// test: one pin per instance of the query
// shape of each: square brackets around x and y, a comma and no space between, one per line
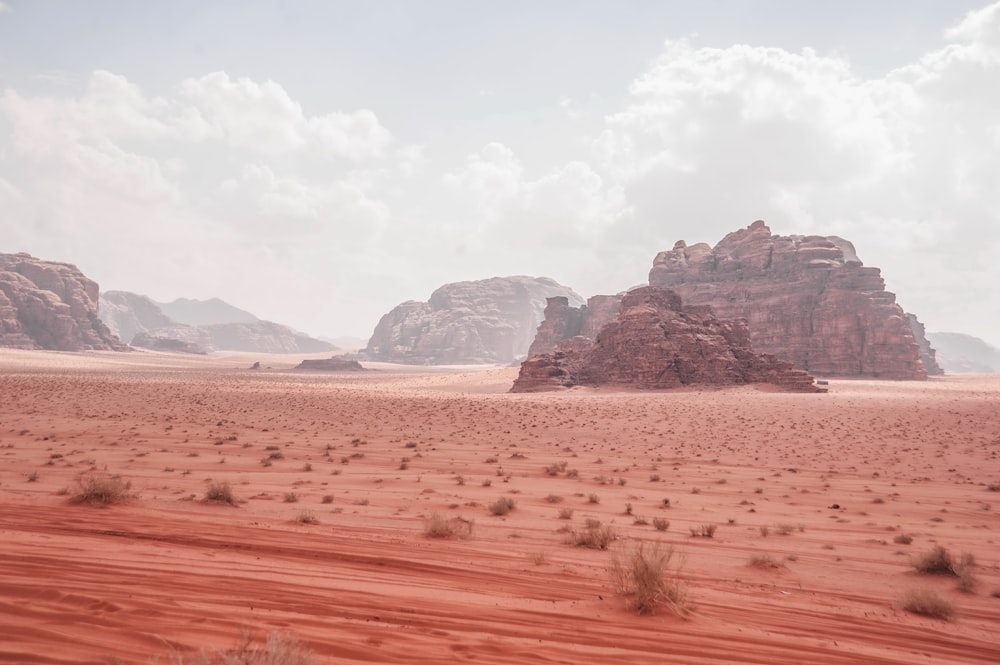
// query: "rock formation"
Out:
[928,356]
[487,321]
[333,364]
[807,299]
[142,323]
[657,342]
[193,312]
[563,321]
[46,305]
[959,353]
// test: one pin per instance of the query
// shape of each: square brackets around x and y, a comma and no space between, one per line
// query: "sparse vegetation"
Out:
[646,576]
[220,492]
[102,490]
[439,526]
[661,524]
[596,538]
[704,530]
[565,513]
[902,539]
[502,506]
[763,560]
[928,602]
[307,517]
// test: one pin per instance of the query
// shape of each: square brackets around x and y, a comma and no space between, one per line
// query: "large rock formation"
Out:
[46,305]
[807,299]
[928,356]
[487,321]
[194,312]
[142,323]
[563,321]
[962,354]
[657,342]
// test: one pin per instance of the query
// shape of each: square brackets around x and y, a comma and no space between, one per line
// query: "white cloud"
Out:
[5,8]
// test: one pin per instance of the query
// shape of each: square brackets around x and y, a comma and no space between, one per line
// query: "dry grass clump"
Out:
[502,506]
[279,649]
[307,517]
[928,602]
[439,526]
[938,561]
[902,539]
[220,492]
[645,574]
[595,537]
[661,524]
[763,560]
[704,530]
[102,490]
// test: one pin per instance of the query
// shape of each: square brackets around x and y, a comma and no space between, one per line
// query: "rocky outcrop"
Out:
[959,353]
[128,314]
[806,299]
[487,321]
[928,356]
[333,364]
[47,305]
[657,342]
[563,321]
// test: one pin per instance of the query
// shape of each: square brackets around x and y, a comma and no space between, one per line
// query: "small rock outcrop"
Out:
[333,364]
[806,299]
[487,321]
[657,342]
[48,305]
[563,321]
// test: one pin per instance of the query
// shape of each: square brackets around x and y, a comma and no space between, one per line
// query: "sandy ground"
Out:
[370,456]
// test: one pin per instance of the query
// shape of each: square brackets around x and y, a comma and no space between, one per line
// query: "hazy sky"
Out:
[319,162]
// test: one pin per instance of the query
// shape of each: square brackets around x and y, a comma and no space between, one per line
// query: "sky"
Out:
[319,162]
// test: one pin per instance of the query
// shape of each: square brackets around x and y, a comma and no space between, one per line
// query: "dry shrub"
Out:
[928,602]
[307,517]
[763,561]
[279,649]
[595,538]
[220,492]
[704,530]
[439,526]
[661,524]
[902,539]
[938,561]
[102,490]
[502,506]
[644,573]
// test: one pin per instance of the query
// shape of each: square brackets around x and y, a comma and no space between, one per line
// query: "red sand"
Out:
[80,584]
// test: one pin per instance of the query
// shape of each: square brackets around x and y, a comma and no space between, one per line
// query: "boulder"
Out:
[48,305]
[487,321]
[657,342]
[808,300]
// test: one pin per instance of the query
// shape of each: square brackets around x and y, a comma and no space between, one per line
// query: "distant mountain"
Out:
[205,312]
[346,342]
[958,353]
[141,322]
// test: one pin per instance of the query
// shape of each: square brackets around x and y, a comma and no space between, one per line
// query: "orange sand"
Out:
[125,584]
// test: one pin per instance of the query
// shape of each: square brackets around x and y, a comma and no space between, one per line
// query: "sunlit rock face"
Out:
[486,321]
[655,342]
[48,305]
[806,299]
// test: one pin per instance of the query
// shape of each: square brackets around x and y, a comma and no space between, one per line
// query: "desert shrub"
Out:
[593,498]
[661,524]
[592,523]
[102,490]
[596,538]
[935,561]
[553,498]
[704,530]
[784,529]
[928,603]
[291,497]
[220,492]
[439,526]
[327,498]
[279,649]
[763,560]
[502,506]
[565,513]
[902,539]
[307,517]
[644,574]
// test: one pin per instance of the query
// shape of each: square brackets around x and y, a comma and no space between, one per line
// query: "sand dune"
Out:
[367,457]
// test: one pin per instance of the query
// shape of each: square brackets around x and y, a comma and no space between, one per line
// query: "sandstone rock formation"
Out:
[47,305]
[657,342]
[142,323]
[333,364]
[807,299]
[563,321]
[928,356]
[487,321]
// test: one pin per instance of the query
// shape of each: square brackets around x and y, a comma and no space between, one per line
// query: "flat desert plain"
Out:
[819,505]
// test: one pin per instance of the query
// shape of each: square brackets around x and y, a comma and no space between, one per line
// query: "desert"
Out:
[794,519]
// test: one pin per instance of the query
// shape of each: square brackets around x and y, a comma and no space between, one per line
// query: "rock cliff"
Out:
[806,299]
[47,305]
[487,321]
[928,356]
[657,342]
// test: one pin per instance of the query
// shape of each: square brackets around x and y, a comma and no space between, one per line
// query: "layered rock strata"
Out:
[48,305]
[806,299]
[487,321]
[657,342]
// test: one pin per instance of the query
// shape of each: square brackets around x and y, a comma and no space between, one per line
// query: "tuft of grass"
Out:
[565,513]
[595,538]
[928,602]
[935,561]
[593,498]
[102,490]
[220,492]
[439,526]
[704,530]
[307,517]
[902,539]
[553,498]
[648,577]
[661,524]
[291,497]
[502,506]
[763,560]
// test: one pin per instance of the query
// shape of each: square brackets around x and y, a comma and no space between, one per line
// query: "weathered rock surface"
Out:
[928,356]
[959,353]
[563,321]
[47,305]
[128,314]
[807,299]
[657,342]
[487,321]
[333,364]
